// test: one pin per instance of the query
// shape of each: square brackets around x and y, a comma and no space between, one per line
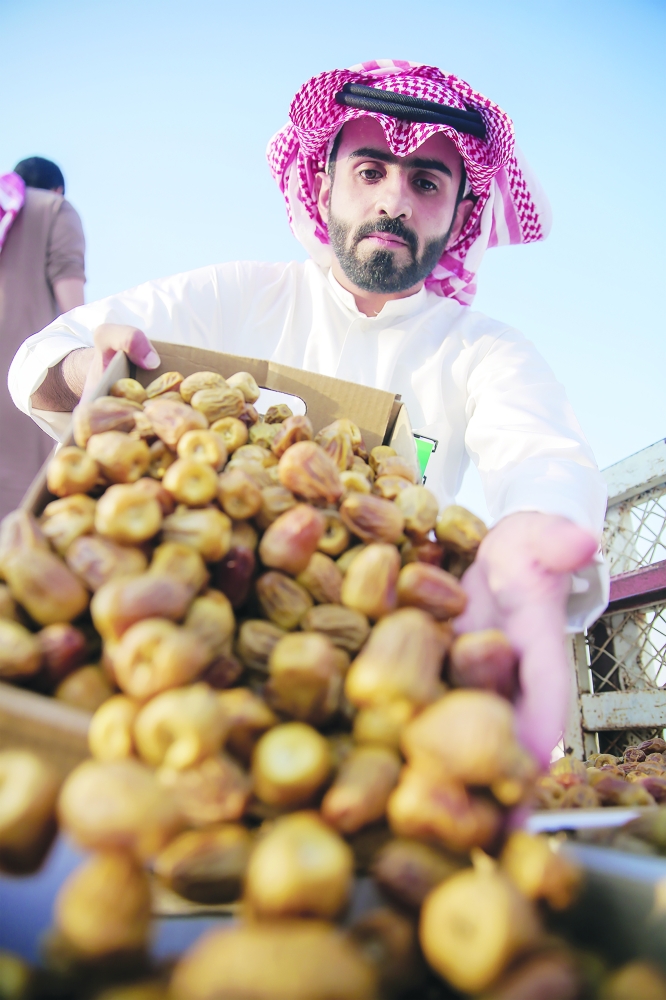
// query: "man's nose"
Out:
[394,198]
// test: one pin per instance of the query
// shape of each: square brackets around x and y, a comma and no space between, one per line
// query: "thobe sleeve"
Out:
[66,246]
[183,309]
[531,452]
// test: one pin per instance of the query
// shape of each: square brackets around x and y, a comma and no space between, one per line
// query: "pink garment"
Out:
[511,206]
[12,196]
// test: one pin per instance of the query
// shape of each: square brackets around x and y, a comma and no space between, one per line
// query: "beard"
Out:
[378,271]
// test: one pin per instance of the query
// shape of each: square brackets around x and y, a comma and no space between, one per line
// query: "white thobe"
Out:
[475,386]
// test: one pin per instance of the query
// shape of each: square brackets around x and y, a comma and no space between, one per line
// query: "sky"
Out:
[159,111]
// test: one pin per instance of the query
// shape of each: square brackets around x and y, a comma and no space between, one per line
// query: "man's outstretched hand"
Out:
[111,338]
[519,583]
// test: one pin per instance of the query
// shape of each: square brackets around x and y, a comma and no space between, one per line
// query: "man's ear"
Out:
[323,193]
[463,212]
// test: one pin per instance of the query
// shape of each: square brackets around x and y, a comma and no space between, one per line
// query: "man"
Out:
[41,275]
[396,177]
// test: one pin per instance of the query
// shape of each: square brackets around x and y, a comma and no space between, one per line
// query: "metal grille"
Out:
[616,741]
[635,531]
[627,650]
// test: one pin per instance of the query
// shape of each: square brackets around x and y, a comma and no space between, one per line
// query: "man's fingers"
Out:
[481,611]
[112,337]
[544,678]
[565,547]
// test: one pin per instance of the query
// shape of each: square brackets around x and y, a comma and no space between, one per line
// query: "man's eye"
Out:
[425,184]
[370,174]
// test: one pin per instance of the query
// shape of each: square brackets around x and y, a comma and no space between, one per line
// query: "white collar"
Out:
[394,308]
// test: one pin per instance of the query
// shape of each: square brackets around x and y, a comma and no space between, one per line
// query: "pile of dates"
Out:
[259,618]
[637,778]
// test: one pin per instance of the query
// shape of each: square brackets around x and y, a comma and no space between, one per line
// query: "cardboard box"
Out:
[31,719]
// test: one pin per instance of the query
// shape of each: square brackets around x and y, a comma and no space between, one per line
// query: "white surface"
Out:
[552,820]
[637,473]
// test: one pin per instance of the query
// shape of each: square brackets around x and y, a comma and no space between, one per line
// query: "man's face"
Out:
[389,218]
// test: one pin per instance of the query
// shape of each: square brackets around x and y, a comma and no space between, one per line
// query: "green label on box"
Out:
[424,449]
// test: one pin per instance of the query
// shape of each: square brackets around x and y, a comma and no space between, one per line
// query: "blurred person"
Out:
[397,178]
[41,276]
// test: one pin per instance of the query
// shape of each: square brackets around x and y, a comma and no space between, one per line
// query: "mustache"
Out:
[393,227]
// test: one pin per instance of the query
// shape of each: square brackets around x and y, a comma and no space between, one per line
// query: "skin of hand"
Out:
[76,376]
[520,582]
[68,293]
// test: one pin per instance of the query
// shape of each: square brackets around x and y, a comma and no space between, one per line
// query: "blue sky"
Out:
[159,114]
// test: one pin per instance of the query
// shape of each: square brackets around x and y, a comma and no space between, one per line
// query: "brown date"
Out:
[256,639]
[346,628]
[216,790]
[290,431]
[277,414]
[207,530]
[402,659]
[201,380]
[238,493]
[127,515]
[171,418]
[71,470]
[206,866]
[282,599]
[216,403]
[322,579]
[247,385]
[86,688]
[181,562]
[248,717]
[154,655]
[419,508]
[484,659]
[304,680]
[129,388]
[369,585]
[233,574]
[233,432]
[191,482]
[460,530]
[20,652]
[372,518]
[307,471]
[106,413]
[166,382]
[64,520]
[97,560]
[290,541]
[122,601]
[421,585]
[42,583]
[203,446]
[121,458]
[63,648]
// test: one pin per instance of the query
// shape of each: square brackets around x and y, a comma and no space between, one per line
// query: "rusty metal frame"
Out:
[618,670]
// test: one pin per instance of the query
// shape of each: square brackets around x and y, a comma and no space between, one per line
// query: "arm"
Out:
[548,498]
[68,293]
[67,381]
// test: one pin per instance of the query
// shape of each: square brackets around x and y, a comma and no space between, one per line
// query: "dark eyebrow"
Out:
[370,153]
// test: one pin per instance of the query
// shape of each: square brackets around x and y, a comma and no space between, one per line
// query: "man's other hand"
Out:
[519,583]
[77,375]
[111,338]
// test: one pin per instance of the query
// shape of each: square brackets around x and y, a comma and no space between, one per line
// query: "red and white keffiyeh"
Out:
[12,196]
[511,206]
